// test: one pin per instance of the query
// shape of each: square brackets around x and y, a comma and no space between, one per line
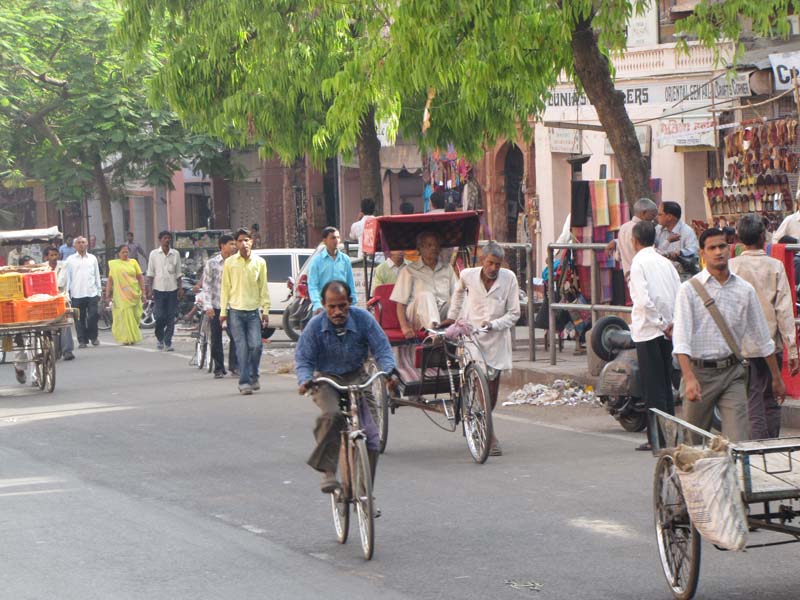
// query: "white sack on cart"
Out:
[714,500]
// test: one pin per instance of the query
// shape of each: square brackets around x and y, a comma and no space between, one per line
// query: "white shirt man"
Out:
[357,228]
[789,226]
[82,283]
[653,285]
[488,297]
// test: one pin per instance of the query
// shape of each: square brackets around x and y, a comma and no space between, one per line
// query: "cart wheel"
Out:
[381,396]
[39,357]
[49,367]
[678,540]
[476,413]
[633,421]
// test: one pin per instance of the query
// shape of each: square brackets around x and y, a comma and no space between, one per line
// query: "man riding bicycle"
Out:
[336,344]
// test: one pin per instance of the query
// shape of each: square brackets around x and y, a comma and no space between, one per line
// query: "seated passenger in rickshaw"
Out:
[424,288]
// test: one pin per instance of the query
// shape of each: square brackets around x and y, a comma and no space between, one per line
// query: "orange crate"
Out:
[11,287]
[41,282]
[7,312]
[27,311]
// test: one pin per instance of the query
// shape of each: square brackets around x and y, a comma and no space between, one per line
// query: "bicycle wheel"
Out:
[381,397]
[209,360]
[476,413]
[48,382]
[104,320]
[678,540]
[362,497]
[202,343]
[340,504]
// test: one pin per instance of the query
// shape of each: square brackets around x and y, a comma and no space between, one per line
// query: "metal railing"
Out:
[594,306]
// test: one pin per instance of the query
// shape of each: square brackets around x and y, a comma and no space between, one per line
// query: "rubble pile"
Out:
[560,393]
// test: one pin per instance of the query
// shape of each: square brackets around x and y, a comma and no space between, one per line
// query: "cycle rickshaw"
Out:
[447,376]
[29,331]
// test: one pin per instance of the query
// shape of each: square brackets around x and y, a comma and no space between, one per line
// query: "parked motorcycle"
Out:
[298,312]
[618,386]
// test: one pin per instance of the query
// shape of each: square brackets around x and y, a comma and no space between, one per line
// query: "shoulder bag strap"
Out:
[713,309]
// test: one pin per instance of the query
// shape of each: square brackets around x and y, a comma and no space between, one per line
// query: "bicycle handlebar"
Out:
[345,388]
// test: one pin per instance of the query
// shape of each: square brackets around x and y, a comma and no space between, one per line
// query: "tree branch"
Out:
[43,77]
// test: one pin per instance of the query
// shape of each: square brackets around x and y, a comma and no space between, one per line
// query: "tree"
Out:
[490,65]
[75,119]
[288,76]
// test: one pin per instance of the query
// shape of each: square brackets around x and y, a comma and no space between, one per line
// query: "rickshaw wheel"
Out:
[381,397]
[476,413]
[678,540]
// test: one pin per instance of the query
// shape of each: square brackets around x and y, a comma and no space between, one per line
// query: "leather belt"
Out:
[723,363]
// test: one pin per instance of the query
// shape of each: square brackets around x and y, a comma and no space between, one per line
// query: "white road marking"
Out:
[12,416]
[35,492]
[26,481]
[254,529]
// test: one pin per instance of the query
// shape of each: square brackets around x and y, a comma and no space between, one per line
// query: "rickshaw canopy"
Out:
[29,236]
[399,232]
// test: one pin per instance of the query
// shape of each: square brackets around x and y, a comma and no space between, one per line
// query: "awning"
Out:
[401,157]
[29,236]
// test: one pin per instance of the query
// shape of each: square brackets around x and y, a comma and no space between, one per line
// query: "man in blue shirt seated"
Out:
[327,266]
[336,345]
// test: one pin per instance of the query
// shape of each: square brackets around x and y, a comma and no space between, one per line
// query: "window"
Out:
[301,260]
[279,267]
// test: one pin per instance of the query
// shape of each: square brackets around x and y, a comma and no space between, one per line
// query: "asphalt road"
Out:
[141,477]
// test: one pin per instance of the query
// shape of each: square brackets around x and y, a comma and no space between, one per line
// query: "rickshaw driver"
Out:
[336,344]
[424,288]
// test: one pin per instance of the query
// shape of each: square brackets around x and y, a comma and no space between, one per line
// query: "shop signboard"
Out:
[782,67]
[643,28]
[685,131]
[642,134]
[565,141]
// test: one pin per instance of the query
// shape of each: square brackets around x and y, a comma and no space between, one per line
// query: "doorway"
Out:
[514,172]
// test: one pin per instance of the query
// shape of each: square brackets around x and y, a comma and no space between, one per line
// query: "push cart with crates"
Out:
[32,312]
[766,498]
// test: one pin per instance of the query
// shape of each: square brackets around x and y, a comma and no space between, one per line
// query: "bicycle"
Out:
[202,350]
[354,467]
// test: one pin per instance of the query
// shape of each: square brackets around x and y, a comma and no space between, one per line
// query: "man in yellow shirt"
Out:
[244,302]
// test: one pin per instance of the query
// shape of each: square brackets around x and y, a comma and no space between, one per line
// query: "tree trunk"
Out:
[105,208]
[594,72]
[369,161]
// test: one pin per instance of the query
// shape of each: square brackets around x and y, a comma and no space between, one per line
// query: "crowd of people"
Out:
[727,325]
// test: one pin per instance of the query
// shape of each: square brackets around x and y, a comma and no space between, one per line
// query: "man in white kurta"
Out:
[488,297]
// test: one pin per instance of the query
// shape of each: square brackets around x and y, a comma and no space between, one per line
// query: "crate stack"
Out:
[30,297]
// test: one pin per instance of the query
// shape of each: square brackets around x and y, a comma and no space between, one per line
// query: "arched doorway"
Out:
[514,173]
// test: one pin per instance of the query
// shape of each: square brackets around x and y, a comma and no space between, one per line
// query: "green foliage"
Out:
[67,102]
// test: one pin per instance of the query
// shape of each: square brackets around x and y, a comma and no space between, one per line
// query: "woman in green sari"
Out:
[126,287]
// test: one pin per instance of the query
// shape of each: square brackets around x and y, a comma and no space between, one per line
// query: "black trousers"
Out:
[86,325]
[165,306]
[217,350]
[655,378]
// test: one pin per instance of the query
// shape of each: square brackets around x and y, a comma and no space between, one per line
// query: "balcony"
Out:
[665,59]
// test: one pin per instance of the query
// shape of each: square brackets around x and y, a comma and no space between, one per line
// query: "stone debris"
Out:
[559,393]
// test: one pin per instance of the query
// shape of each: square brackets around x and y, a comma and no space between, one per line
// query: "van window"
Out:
[279,267]
[301,260]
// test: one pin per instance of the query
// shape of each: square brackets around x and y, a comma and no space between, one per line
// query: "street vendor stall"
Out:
[32,312]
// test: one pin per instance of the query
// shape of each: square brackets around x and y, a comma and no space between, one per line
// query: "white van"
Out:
[282,263]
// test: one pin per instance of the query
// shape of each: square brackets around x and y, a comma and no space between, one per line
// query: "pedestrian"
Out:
[125,287]
[492,302]
[357,228]
[676,240]
[715,311]
[164,281]
[644,210]
[768,276]
[211,284]
[336,345]
[653,284]
[255,232]
[15,256]
[66,345]
[389,270]
[328,265]
[244,303]
[135,250]
[67,249]
[787,239]
[438,201]
[789,226]
[407,208]
[83,286]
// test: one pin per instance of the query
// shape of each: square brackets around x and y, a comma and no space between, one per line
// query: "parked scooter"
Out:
[618,386]
[298,312]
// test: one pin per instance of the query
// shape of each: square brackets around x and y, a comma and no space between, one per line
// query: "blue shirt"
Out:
[66,251]
[325,268]
[321,349]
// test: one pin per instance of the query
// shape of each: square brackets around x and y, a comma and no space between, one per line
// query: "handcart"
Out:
[447,378]
[31,340]
[769,480]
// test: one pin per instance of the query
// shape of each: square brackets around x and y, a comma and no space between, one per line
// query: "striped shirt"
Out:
[696,334]
[212,281]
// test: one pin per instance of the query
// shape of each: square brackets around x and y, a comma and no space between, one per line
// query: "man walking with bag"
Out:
[716,310]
